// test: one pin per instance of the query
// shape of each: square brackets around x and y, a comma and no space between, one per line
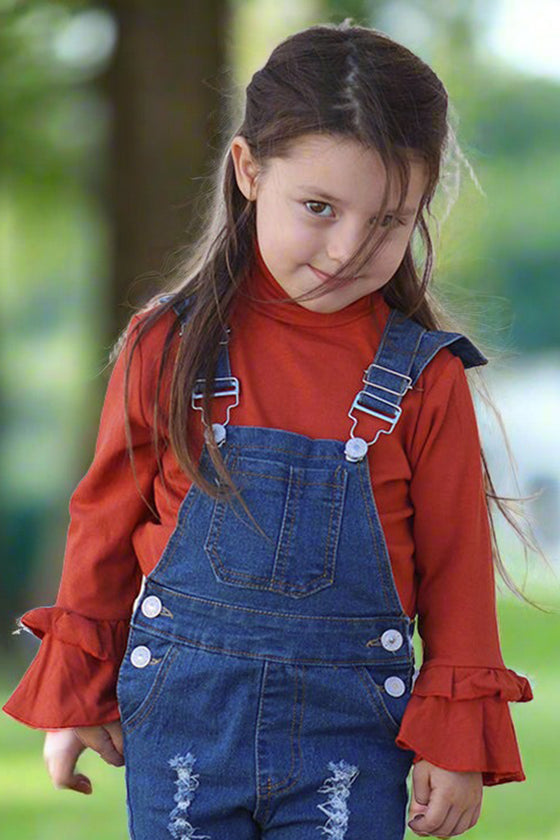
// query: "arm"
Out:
[457,720]
[72,680]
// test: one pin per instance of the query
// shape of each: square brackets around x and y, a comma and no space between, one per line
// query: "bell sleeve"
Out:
[72,679]
[458,716]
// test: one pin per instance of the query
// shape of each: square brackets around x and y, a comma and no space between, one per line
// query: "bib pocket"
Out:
[291,546]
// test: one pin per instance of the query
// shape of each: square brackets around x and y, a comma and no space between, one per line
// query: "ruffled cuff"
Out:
[72,679]
[458,718]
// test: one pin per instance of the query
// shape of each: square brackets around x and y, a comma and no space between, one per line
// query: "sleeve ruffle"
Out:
[458,718]
[102,639]
[79,659]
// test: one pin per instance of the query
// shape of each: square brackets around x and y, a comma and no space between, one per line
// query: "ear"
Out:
[246,169]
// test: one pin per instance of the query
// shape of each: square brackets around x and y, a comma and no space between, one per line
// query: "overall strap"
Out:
[225,385]
[404,351]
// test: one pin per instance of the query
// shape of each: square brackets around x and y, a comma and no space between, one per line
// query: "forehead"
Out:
[342,167]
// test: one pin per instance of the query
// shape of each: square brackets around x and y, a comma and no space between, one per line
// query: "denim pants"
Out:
[270,661]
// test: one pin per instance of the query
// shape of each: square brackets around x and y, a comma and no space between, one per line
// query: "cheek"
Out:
[275,227]
[392,253]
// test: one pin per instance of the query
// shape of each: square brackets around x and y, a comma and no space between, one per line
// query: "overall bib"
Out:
[270,661]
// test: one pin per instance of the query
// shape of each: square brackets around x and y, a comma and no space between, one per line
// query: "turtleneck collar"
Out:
[263,293]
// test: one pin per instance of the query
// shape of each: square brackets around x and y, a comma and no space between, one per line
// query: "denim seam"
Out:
[281,785]
[273,657]
[179,531]
[390,723]
[388,617]
[334,485]
[278,785]
[153,694]
[374,535]
[386,572]
[283,545]
[257,736]
[249,447]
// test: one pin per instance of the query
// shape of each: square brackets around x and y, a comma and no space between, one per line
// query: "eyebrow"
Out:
[406,211]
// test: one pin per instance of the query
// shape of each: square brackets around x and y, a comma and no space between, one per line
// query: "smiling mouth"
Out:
[322,276]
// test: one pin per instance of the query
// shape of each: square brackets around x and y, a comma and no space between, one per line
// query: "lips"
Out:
[322,276]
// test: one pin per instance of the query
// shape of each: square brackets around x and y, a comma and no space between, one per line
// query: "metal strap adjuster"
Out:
[391,420]
[407,383]
[225,386]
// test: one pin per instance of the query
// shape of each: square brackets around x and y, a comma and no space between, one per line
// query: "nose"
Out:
[344,241]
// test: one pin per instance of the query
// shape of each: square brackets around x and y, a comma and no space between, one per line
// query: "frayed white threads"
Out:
[187,782]
[336,807]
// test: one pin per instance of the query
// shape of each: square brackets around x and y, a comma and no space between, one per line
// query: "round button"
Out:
[219,433]
[140,656]
[391,639]
[394,686]
[151,606]
[355,449]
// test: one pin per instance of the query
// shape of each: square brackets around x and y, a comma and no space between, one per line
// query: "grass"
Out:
[32,810]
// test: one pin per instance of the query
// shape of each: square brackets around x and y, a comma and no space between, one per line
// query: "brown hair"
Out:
[341,80]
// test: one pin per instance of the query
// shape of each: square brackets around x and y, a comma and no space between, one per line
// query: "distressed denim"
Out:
[270,661]
[267,672]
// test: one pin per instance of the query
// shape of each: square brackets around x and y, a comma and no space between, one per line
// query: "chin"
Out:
[324,306]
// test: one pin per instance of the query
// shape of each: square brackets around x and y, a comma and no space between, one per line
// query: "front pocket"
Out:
[291,545]
[390,710]
[138,688]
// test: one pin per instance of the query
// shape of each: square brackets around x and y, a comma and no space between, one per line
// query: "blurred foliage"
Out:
[499,254]
[498,250]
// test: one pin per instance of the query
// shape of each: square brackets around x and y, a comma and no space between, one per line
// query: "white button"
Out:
[355,449]
[140,656]
[391,640]
[151,606]
[219,433]
[394,686]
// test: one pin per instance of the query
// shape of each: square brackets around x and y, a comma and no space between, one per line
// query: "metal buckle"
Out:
[382,387]
[229,388]
[391,420]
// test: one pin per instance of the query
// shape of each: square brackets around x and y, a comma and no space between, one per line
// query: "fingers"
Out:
[420,790]
[60,753]
[421,783]
[454,800]
[115,731]
[99,738]
[443,820]
[465,822]
[438,814]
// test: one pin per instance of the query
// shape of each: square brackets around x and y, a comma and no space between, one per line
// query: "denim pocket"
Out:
[388,708]
[291,545]
[140,685]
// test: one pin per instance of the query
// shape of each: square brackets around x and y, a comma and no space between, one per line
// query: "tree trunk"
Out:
[163,90]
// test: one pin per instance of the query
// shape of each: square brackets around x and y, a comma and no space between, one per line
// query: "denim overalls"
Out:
[270,661]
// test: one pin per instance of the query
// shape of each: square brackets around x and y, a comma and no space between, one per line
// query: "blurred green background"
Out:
[112,119]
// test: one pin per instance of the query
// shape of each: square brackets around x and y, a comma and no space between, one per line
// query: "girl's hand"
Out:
[444,803]
[63,747]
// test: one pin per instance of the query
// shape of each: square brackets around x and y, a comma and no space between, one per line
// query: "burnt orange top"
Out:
[427,483]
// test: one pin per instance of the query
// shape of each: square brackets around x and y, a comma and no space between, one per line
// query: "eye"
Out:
[391,220]
[316,208]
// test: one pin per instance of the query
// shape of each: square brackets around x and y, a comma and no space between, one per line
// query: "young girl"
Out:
[305,478]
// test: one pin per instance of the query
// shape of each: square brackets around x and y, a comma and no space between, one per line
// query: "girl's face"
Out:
[313,210]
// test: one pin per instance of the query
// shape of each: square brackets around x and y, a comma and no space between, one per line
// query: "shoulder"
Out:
[151,328]
[433,353]
[443,372]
